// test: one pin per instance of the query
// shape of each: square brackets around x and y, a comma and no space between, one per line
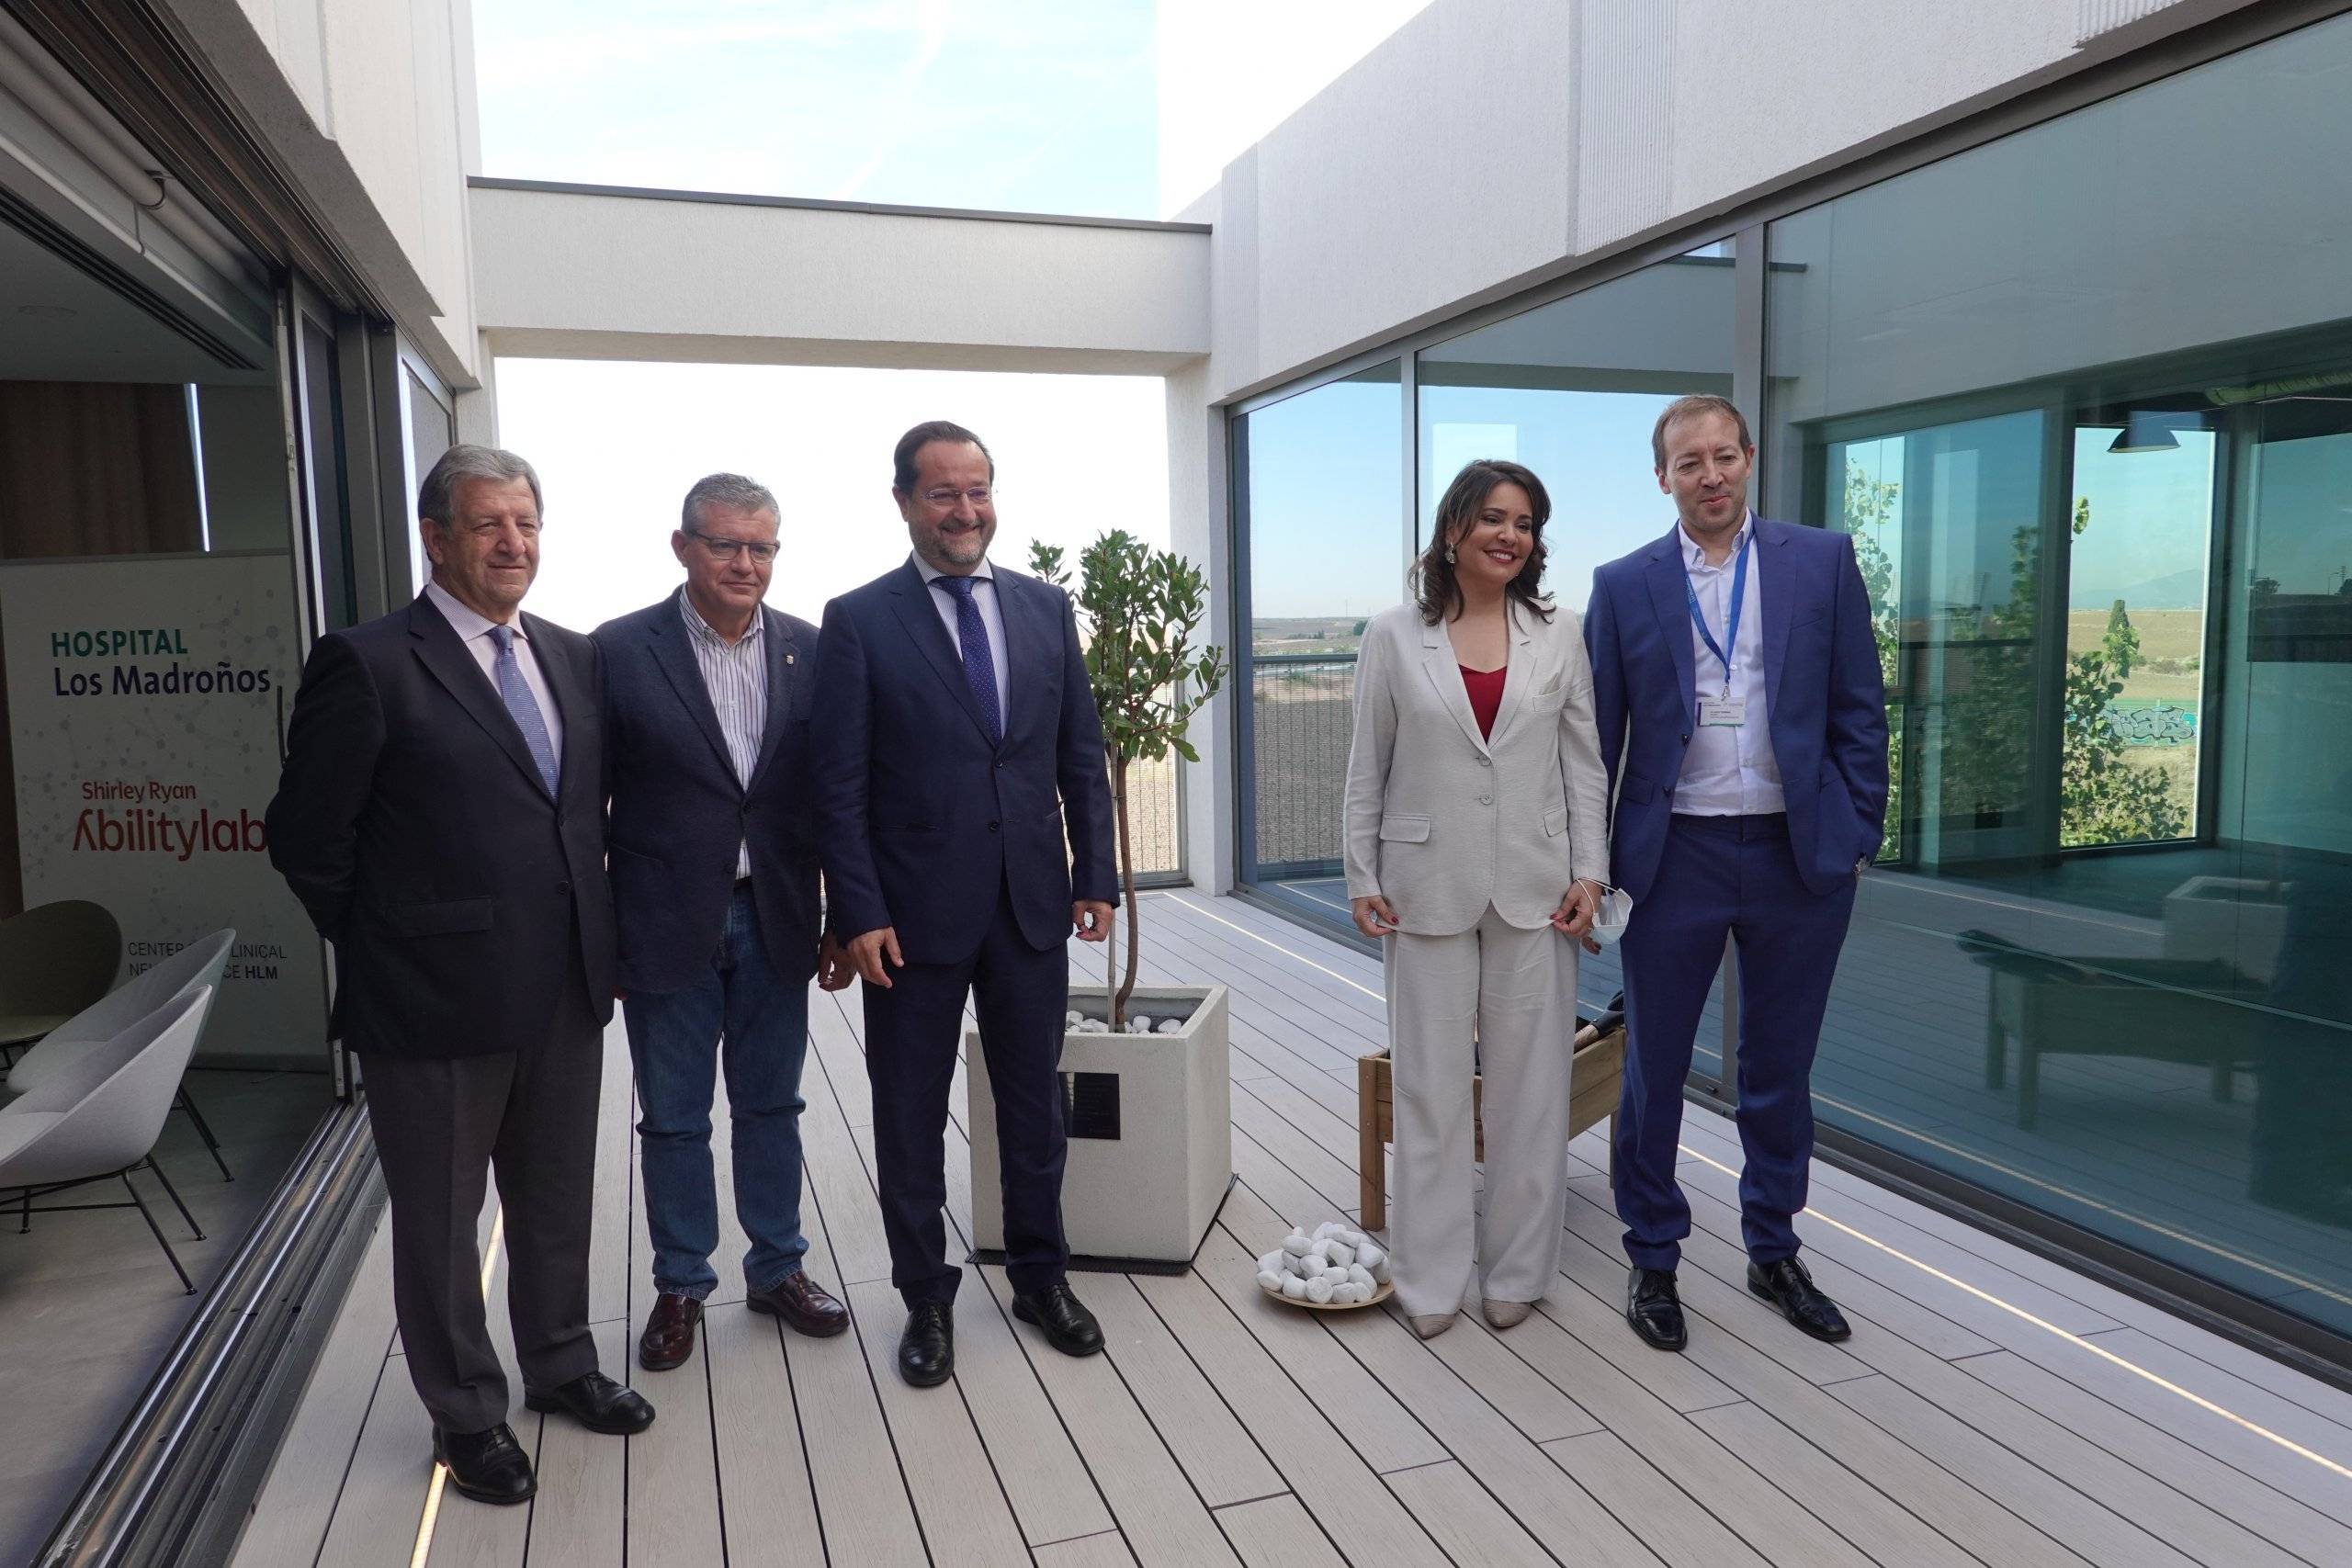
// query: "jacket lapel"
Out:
[1445,671]
[667,638]
[444,655]
[1030,644]
[1777,604]
[1670,596]
[568,687]
[910,600]
[783,668]
[1520,673]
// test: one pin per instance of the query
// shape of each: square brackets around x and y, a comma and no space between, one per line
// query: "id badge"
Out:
[1728,712]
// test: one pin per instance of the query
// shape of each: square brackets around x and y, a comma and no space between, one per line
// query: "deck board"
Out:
[1221,1427]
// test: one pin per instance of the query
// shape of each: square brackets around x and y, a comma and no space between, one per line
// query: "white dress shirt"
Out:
[735,674]
[992,616]
[473,630]
[1729,771]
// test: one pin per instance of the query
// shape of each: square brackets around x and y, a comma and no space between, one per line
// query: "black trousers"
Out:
[911,1034]
[442,1126]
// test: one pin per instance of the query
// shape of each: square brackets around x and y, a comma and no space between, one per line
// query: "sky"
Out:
[616,445]
[1095,108]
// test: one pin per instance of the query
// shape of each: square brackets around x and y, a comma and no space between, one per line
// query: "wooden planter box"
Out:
[1594,1074]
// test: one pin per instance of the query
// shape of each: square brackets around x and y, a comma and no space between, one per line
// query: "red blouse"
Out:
[1485,691]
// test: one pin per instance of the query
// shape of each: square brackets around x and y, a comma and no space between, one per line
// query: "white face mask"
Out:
[1616,910]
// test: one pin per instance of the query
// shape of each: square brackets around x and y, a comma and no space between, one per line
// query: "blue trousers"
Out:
[742,1009]
[1020,995]
[1724,877]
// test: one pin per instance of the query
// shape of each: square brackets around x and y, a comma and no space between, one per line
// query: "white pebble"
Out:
[1294,1288]
[1073,1017]
[1340,1253]
[1271,1263]
[1269,1281]
[1360,1275]
[1305,1268]
[1372,1255]
[1319,1291]
[1327,1229]
[1296,1244]
[1169,1026]
[1355,1238]
[1356,1294]
[1140,1022]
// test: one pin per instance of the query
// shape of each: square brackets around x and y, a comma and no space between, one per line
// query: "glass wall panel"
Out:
[1572,390]
[1319,482]
[2088,415]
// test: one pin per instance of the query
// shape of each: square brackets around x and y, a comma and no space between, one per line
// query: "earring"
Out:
[1449,555]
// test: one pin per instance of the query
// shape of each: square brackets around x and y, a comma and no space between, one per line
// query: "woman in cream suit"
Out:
[1478,852]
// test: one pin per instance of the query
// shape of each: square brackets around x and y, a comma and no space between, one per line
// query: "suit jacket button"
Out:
[991,827]
[1485,800]
[1686,738]
[1486,762]
[563,887]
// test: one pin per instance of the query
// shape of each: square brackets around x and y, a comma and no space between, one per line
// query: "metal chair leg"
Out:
[24,1226]
[188,1285]
[194,1229]
[205,1132]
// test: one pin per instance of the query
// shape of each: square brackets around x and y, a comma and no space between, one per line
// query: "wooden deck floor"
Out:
[1991,1409]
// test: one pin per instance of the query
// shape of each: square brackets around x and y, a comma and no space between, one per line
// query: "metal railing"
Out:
[1302,721]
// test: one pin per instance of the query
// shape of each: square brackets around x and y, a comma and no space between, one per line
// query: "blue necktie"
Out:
[979,665]
[522,706]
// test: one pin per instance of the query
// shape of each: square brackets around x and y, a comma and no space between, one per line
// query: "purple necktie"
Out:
[979,665]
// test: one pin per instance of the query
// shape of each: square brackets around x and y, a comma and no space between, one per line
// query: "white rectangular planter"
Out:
[1149,1193]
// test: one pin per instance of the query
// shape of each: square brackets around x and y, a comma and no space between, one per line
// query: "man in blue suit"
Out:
[713,857]
[965,821]
[1743,720]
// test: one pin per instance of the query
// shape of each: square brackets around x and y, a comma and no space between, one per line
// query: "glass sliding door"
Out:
[2090,424]
[1319,495]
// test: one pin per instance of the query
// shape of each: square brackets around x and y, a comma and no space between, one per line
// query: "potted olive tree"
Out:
[1147,1070]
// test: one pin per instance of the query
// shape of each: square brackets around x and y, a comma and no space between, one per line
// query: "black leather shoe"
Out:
[1786,1284]
[597,1402]
[927,1349]
[1069,1326]
[1654,1310]
[489,1467]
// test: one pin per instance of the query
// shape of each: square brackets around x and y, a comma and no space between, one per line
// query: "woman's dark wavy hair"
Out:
[1432,579]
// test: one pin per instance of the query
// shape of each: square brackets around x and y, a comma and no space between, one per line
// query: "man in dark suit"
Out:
[965,816]
[1743,721]
[441,816]
[713,868]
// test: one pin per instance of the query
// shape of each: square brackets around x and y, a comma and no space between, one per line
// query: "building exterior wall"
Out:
[1489,145]
[367,106]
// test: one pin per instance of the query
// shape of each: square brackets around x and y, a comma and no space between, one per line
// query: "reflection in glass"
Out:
[2092,434]
[1572,390]
[1321,480]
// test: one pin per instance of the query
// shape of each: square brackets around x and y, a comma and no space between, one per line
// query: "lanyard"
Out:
[1731,625]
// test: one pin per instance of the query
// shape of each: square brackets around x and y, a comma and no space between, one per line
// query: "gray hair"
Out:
[435,497]
[727,490]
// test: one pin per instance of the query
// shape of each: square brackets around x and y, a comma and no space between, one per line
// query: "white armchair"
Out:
[96,1119]
[192,968]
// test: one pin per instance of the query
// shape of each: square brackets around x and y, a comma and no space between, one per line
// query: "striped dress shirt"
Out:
[735,676]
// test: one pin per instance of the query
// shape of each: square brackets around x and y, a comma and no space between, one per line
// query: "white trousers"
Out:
[1501,1001]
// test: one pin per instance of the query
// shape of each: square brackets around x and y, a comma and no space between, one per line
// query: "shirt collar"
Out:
[985,571]
[1695,559]
[466,621]
[702,628]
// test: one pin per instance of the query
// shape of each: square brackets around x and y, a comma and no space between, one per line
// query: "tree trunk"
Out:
[1127,890]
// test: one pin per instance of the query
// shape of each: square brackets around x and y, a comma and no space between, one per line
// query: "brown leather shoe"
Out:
[802,1302]
[669,1336]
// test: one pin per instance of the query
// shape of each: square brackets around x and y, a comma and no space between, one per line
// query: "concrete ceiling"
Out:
[60,323]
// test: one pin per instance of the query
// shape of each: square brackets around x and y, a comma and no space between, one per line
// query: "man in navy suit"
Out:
[1743,719]
[713,856]
[966,822]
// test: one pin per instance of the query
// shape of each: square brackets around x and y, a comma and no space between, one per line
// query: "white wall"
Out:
[1489,145]
[366,104]
[566,275]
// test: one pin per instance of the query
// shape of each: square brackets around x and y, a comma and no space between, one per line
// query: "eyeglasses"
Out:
[979,495]
[726,549]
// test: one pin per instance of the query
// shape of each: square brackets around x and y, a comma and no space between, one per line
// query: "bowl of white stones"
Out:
[1335,1268]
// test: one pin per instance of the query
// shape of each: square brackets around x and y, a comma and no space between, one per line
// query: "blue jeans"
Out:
[676,1039]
